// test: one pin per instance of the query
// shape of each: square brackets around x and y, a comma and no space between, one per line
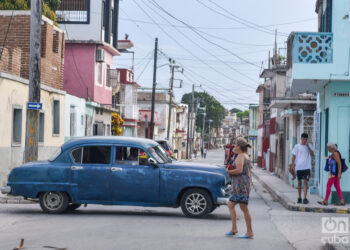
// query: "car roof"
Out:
[133,141]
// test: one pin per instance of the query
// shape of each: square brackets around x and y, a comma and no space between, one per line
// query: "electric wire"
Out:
[221,73]
[200,35]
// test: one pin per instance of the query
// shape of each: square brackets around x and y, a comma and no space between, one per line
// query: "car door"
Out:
[132,178]
[91,171]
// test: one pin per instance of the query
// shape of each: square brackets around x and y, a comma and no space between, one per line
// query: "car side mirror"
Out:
[176,151]
[152,162]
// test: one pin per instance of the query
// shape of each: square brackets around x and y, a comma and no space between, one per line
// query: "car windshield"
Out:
[159,154]
[165,145]
[55,155]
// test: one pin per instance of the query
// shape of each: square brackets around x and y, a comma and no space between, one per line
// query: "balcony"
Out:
[310,58]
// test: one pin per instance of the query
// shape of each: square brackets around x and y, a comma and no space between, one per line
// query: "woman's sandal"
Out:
[324,203]
[340,204]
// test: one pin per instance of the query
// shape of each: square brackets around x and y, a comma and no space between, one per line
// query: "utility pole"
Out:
[203,128]
[172,62]
[191,128]
[209,139]
[146,126]
[188,129]
[195,118]
[154,86]
[33,116]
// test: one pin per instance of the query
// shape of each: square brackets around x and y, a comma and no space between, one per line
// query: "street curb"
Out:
[299,208]
[15,200]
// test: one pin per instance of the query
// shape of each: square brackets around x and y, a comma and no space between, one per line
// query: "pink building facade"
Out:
[86,75]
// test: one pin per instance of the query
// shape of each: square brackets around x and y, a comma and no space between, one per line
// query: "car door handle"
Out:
[77,168]
[114,169]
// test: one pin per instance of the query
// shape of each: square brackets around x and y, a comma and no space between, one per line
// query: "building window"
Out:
[73,121]
[55,41]
[327,17]
[326,132]
[73,11]
[103,14]
[56,117]
[108,130]
[99,73]
[17,126]
[108,82]
[82,120]
[41,127]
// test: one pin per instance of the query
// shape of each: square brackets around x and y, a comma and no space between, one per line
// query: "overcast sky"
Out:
[221,44]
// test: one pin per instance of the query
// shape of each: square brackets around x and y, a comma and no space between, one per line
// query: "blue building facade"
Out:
[319,62]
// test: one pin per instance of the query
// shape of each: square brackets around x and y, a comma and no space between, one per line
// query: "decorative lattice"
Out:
[313,48]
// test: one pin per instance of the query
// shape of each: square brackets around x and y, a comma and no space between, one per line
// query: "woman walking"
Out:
[241,182]
[335,170]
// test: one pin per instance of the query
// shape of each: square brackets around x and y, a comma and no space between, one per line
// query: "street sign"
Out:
[34,105]
[252,138]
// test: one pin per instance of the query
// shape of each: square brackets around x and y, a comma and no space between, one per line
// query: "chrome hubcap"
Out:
[53,200]
[196,203]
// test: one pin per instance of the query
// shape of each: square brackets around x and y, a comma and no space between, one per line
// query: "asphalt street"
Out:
[118,227]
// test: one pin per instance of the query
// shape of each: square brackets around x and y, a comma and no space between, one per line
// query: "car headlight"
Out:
[226,190]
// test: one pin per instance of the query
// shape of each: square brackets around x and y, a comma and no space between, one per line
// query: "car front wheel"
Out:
[54,202]
[196,203]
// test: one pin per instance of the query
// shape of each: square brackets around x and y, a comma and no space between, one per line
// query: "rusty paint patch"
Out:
[31,141]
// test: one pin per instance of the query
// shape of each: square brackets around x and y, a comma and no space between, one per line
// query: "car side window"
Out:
[96,155]
[77,155]
[130,155]
[92,155]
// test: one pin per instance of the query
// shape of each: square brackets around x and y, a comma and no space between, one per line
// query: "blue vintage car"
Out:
[119,171]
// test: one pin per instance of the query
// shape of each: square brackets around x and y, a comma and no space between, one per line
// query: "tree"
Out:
[48,6]
[235,110]
[215,111]
[242,114]
[117,123]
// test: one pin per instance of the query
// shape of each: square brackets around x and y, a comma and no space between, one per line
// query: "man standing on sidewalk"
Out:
[301,164]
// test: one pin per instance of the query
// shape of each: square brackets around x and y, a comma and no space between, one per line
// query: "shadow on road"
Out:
[102,212]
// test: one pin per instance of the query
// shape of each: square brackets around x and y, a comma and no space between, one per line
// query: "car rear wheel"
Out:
[196,203]
[73,206]
[53,202]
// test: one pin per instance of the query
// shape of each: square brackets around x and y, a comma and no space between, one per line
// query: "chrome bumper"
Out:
[6,190]
[222,201]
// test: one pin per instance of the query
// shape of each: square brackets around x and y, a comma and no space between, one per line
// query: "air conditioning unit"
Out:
[100,55]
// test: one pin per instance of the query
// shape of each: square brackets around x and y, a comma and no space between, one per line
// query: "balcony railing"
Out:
[312,48]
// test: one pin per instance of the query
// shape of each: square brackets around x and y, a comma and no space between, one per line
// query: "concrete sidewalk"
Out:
[288,195]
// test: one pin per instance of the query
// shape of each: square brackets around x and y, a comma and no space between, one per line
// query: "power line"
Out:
[222,88]
[138,26]
[150,59]
[244,20]
[239,20]
[200,35]
[165,32]
[207,51]
[198,46]
[189,76]
[220,28]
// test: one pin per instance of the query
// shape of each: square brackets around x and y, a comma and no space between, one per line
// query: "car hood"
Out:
[196,166]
